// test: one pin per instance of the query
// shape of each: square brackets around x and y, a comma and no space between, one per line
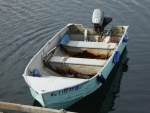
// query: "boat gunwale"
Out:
[26,68]
[99,72]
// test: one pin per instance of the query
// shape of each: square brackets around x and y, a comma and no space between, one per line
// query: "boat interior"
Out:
[74,55]
[82,53]
[75,59]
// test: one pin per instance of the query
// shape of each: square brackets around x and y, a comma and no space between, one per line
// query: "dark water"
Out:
[26,25]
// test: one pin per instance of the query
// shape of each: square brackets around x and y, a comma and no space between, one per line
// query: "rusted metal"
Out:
[81,66]
[71,71]
[90,53]
[75,72]
[98,53]
[110,41]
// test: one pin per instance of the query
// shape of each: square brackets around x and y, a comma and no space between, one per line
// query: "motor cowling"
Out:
[98,17]
[99,20]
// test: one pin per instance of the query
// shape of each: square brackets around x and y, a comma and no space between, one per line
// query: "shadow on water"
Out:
[102,100]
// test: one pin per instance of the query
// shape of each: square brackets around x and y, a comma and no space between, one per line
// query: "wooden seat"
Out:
[93,45]
[101,50]
[71,65]
[78,61]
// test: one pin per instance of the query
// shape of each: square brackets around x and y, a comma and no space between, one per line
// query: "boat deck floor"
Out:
[52,83]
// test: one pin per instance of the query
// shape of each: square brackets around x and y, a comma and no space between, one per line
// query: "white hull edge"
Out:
[63,98]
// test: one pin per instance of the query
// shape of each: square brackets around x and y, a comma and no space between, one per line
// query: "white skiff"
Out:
[75,62]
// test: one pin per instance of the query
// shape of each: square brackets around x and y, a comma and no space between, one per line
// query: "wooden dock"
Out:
[29,109]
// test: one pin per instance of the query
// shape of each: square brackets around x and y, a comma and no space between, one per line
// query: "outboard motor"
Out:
[99,20]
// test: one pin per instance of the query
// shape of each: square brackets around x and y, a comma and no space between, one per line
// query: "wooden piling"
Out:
[29,109]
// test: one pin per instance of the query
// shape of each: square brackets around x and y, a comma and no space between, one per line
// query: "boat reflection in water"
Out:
[102,100]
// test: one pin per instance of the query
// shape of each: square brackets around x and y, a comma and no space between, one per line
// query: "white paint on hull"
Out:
[64,96]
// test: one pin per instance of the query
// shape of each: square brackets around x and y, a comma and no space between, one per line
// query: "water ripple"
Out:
[26,25]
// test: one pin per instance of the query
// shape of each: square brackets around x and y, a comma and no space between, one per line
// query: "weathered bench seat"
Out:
[71,65]
[97,49]
[93,45]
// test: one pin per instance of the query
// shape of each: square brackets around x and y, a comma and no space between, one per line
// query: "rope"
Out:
[108,51]
[64,60]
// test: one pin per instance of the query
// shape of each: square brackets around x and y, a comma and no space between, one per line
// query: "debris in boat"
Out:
[36,73]
[78,76]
